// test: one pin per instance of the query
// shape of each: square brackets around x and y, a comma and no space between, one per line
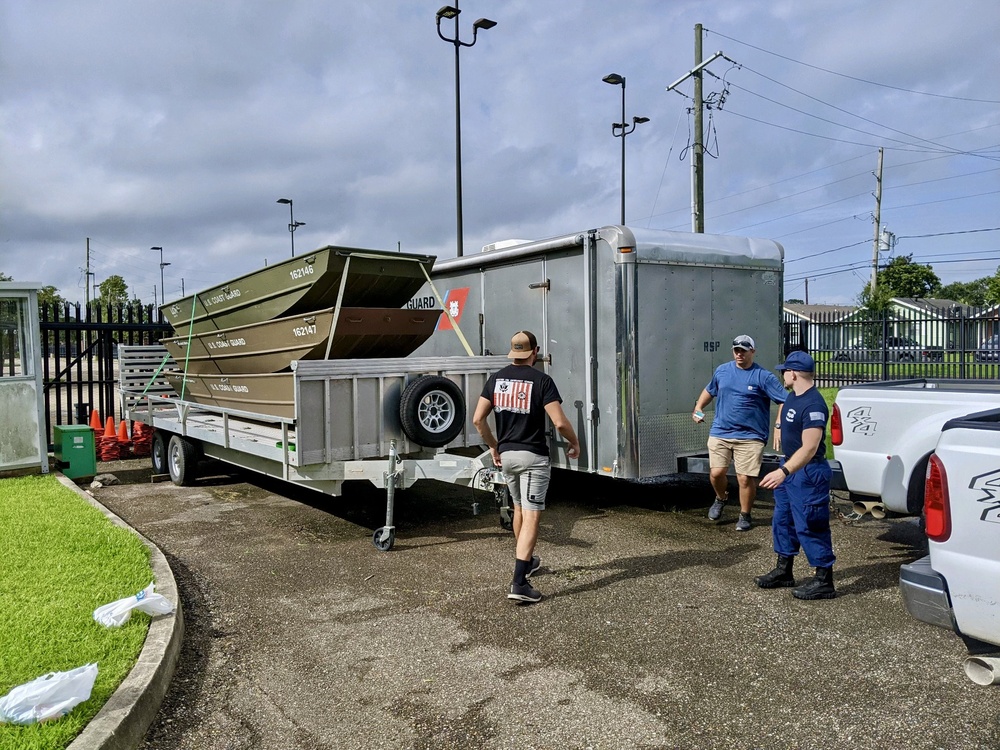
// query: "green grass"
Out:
[61,558]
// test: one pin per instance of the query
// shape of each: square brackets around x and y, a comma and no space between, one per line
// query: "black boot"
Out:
[820,587]
[779,578]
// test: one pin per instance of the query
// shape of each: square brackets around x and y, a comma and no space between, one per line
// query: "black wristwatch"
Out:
[784,471]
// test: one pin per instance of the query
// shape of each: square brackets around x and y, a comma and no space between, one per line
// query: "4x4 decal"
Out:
[989,485]
[861,420]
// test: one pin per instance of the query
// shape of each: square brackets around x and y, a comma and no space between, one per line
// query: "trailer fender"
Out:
[432,411]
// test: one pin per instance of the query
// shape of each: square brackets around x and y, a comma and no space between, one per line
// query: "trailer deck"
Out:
[347,426]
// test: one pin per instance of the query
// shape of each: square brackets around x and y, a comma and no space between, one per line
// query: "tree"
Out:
[993,288]
[5,277]
[794,302]
[904,278]
[967,292]
[49,295]
[114,290]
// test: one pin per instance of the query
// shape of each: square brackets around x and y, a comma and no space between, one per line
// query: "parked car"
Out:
[989,350]
[897,349]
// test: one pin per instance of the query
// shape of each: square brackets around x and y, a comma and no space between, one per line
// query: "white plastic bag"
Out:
[48,697]
[117,613]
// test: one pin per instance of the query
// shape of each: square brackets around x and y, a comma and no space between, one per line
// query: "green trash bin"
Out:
[75,454]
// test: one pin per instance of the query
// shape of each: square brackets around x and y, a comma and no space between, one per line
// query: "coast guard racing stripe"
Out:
[512,395]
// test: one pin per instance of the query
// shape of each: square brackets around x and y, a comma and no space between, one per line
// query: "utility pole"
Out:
[878,214]
[698,150]
[807,291]
[87,274]
[698,147]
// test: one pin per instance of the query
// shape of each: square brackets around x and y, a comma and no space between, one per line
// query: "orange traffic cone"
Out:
[122,432]
[95,420]
[137,431]
[109,428]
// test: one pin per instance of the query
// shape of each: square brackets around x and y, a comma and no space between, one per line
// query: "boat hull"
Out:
[301,285]
[272,394]
[271,346]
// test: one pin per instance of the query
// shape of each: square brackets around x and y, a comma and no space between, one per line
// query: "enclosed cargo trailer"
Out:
[631,324]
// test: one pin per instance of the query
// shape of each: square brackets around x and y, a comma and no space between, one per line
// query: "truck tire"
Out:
[158,452]
[432,411]
[182,460]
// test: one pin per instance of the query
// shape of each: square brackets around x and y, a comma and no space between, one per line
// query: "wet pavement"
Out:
[300,634]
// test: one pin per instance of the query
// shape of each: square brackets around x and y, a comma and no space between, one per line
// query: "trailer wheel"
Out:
[432,411]
[182,460]
[158,452]
[384,538]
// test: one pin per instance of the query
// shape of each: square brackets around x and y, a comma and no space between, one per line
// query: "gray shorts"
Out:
[527,475]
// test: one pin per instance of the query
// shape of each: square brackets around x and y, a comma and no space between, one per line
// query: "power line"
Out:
[854,78]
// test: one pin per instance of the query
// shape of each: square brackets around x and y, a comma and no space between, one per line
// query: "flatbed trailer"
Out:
[388,421]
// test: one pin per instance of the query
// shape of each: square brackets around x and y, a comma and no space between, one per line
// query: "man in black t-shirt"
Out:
[520,397]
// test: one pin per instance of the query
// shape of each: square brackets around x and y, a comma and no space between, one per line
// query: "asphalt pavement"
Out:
[300,634]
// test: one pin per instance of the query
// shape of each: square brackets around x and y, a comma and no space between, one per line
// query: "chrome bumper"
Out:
[925,594]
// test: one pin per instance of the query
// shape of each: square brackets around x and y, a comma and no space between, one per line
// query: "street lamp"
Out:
[622,129]
[292,224]
[163,265]
[449,11]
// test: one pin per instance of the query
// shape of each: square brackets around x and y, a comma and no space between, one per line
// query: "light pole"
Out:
[621,129]
[163,265]
[449,11]
[292,224]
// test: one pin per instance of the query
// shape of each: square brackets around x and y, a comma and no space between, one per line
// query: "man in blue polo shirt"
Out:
[801,486]
[742,422]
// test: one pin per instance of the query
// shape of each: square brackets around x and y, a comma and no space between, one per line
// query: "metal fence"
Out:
[953,342]
[79,356]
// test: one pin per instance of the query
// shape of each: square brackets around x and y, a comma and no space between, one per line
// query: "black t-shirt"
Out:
[519,394]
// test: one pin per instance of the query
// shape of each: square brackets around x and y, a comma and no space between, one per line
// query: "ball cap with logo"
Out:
[522,345]
[744,342]
[798,362]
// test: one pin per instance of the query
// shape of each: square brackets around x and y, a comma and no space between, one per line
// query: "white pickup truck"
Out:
[957,585]
[883,433]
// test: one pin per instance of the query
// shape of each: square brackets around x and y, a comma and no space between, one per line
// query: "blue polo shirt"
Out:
[743,401]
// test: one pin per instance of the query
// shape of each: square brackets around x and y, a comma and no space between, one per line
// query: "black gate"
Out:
[80,353]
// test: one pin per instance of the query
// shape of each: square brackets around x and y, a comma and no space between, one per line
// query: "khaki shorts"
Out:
[744,454]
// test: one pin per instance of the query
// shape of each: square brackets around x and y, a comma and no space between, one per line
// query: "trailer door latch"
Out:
[540,285]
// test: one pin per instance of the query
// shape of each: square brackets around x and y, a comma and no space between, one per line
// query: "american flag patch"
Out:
[512,395]
[817,416]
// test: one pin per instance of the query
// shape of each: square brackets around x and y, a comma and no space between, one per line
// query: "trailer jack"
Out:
[385,536]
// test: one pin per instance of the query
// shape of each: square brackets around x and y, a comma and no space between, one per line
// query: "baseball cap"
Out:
[743,342]
[799,362]
[522,345]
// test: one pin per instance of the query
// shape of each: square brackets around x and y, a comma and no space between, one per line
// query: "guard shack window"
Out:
[15,351]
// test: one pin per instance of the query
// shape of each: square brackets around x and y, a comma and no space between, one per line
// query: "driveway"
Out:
[299,634]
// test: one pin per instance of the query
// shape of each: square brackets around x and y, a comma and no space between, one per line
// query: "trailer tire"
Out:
[158,452]
[182,460]
[432,411]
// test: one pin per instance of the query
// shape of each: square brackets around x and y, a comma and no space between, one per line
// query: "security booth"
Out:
[23,447]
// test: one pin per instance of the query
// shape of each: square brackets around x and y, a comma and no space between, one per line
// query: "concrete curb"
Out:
[124,719]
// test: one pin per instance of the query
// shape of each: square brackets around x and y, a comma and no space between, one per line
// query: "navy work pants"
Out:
[802,515]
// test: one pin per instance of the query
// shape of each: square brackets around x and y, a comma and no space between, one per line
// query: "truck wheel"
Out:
[182,460]
[432,411]
[158,452]
[905,357]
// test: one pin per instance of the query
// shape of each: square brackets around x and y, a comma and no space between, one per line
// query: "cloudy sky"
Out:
[179,124]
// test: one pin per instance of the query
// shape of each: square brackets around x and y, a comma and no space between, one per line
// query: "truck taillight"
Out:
[836,427]
[937,504]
